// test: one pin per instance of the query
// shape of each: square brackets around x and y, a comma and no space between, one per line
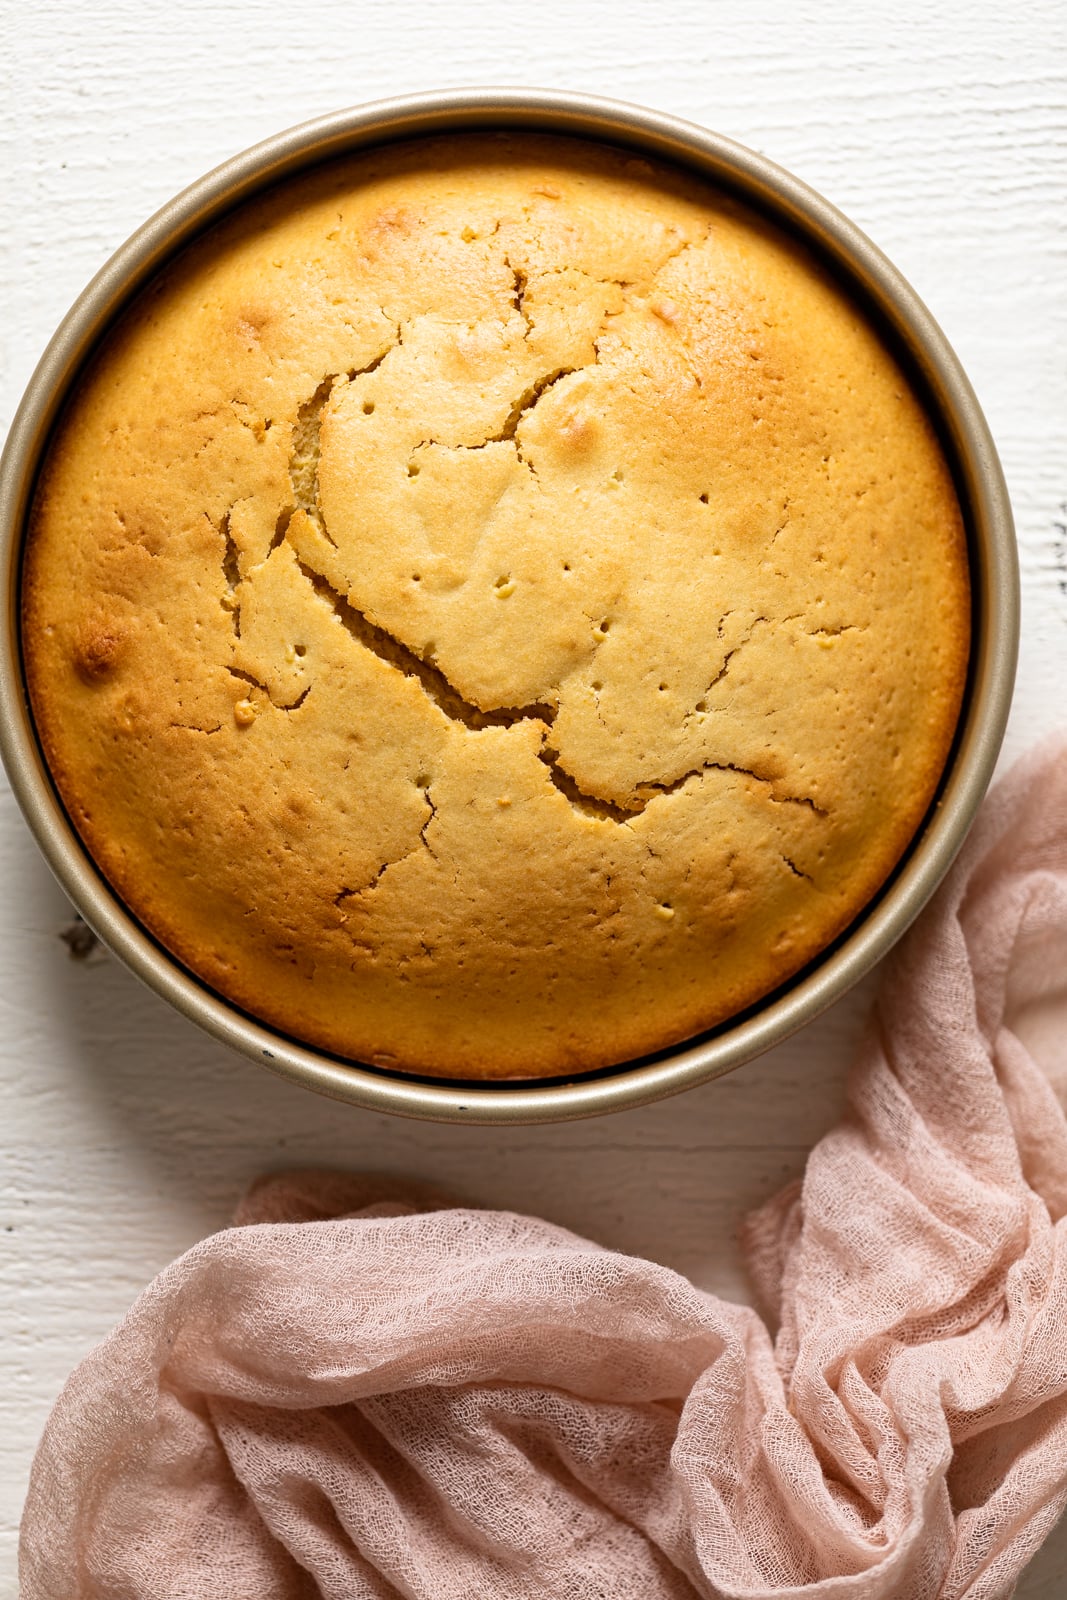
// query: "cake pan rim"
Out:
[979,480]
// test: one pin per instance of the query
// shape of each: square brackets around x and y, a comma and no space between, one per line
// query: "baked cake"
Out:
[495,608]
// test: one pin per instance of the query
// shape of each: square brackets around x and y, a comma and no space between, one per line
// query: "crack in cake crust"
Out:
[303,473]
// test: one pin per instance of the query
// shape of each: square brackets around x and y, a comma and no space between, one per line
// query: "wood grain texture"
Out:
[124,1134]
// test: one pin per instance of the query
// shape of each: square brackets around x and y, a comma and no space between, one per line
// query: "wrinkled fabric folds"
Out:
[362,1390]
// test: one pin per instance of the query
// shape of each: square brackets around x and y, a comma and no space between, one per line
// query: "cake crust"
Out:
[495,608]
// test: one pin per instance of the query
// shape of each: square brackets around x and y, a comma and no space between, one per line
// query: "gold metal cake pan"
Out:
[875,286]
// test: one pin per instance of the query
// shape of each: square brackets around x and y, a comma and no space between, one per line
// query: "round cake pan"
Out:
[876,287]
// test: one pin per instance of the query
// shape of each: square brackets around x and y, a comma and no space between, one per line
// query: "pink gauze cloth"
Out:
[361,1390]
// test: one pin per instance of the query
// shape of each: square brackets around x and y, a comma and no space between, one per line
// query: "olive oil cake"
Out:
[495,608]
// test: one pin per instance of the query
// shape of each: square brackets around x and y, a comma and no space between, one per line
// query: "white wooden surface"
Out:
[124,1135]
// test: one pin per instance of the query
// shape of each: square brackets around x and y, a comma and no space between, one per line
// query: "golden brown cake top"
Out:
[495,608]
